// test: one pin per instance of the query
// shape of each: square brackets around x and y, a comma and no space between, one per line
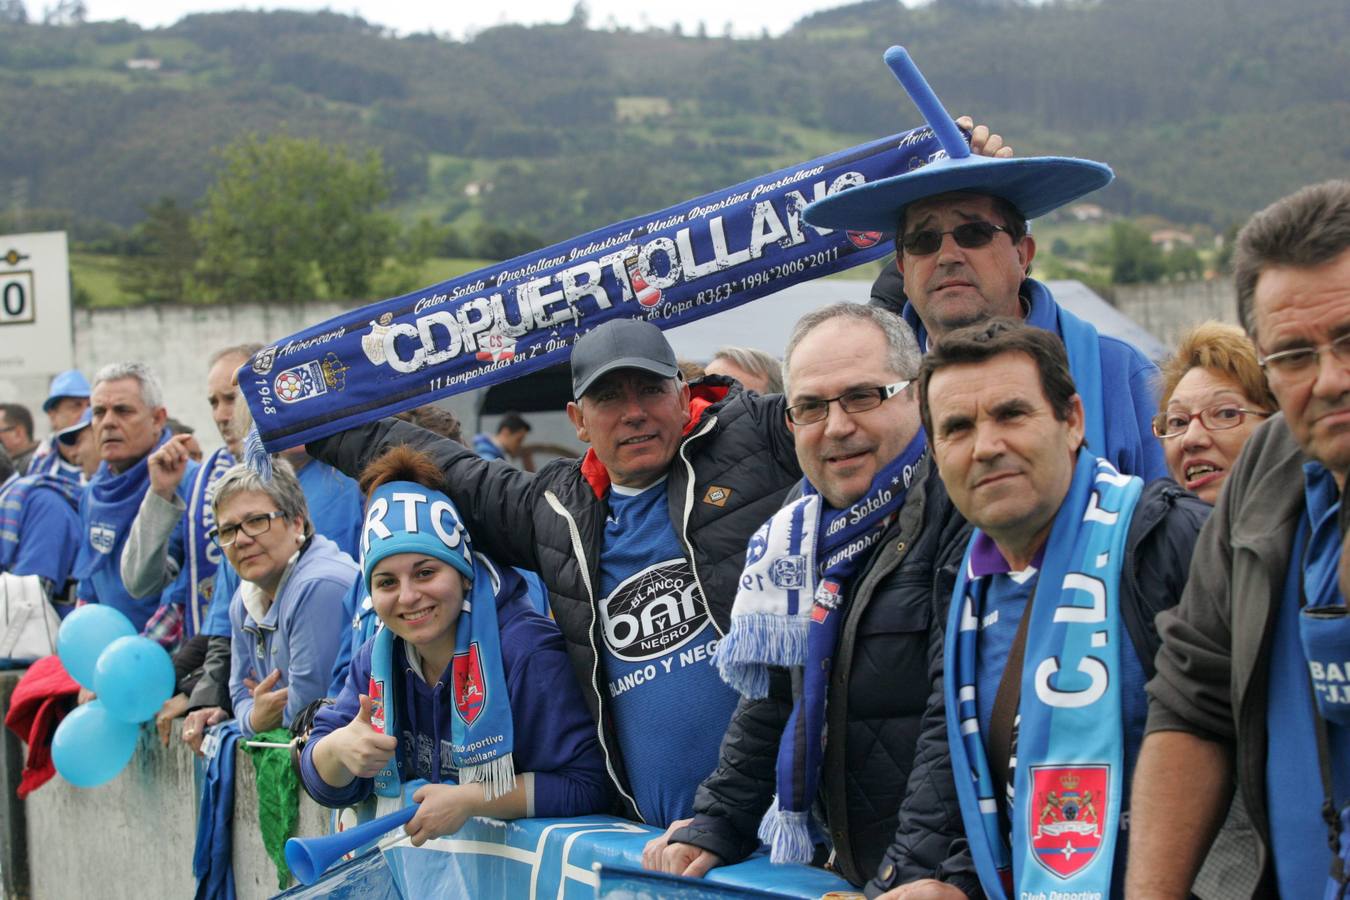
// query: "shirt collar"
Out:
[987,559]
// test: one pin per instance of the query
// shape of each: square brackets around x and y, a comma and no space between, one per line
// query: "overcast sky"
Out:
[747,17]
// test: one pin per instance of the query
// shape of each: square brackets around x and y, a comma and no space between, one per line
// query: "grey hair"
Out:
[902,349]
[284,490]
[756,362]
[1303,230]
[152,394]
[244,350]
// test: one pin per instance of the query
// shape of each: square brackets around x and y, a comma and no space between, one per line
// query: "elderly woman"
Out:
[287,618]
[1213,395]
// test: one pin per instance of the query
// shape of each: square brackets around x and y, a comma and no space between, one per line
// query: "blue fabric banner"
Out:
[571,859]
[692,260]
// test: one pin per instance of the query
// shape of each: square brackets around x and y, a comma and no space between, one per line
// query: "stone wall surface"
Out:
[133,837]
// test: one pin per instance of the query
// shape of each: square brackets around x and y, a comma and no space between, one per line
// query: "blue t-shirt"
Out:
[670,707]
[335,505]
[1298,836]
[1005,601]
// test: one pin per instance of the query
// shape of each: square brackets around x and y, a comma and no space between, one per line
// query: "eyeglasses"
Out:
[969,235]
[857,400]
[1219,417]
[252,526]
[1303,361]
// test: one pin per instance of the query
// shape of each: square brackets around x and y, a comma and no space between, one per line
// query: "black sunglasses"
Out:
[968,235]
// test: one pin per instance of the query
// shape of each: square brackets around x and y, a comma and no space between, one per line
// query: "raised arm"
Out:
[496,500]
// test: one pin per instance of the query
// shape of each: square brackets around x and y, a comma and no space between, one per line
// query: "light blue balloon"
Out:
[133,678]
[83,636]
[90,747]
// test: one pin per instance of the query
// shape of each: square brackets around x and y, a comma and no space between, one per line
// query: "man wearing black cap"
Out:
[640,543]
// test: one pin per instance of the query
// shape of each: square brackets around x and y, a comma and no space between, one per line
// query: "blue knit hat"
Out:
[406,517]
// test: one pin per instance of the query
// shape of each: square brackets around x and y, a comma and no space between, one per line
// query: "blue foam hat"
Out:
[1033,184]
[70,383]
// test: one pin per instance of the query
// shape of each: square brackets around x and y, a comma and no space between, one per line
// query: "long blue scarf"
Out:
[482,731]
[110,504]
[12,498]
[203,556]
[671,267]
[1066,783]
[807,550]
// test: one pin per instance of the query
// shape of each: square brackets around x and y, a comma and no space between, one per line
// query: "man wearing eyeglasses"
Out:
[1250,683]
[964,253]
[877,529]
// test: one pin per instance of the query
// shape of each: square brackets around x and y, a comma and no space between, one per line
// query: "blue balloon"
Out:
[133,678]
[90,747]
[83,636]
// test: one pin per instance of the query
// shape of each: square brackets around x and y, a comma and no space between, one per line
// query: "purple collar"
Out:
[986,559]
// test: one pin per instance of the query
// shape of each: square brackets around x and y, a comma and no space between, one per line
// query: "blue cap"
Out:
[71,433]
[1034,184]
[70,383]
[406,517]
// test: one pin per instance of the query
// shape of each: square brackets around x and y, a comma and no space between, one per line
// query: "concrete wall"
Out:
[1167,310]
[133,837]
[177,340]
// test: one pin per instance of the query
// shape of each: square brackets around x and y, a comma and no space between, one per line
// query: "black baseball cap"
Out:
[621,344]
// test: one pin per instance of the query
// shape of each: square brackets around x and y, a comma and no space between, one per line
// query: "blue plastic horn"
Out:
[309,858]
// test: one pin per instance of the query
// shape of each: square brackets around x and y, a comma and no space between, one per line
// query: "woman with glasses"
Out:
[287,618]
[1213,396]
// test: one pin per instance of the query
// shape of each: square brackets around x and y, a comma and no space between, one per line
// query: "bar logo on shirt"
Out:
[653,612]
[102,537]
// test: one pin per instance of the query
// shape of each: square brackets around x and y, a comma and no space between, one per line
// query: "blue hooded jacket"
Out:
[555,737]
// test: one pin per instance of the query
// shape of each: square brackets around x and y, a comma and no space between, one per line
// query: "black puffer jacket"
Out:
[889,642]
[729,475]
[1158,549]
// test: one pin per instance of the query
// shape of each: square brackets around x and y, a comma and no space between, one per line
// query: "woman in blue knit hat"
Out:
[465,685]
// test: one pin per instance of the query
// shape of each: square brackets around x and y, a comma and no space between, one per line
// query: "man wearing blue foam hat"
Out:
[964,252]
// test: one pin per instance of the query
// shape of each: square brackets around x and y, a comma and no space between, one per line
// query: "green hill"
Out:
[1207,109]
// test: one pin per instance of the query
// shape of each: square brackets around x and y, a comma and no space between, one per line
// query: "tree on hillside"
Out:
[160,268]
[291,219]
[1132,257]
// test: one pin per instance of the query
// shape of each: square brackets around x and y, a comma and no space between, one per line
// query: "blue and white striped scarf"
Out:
[203,556]
[12,497]
[1067,762]
[807,550]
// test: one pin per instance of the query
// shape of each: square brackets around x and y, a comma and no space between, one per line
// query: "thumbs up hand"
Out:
[361,749]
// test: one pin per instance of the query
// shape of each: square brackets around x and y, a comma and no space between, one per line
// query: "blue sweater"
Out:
[554,735]
[299,634]
[107,508]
